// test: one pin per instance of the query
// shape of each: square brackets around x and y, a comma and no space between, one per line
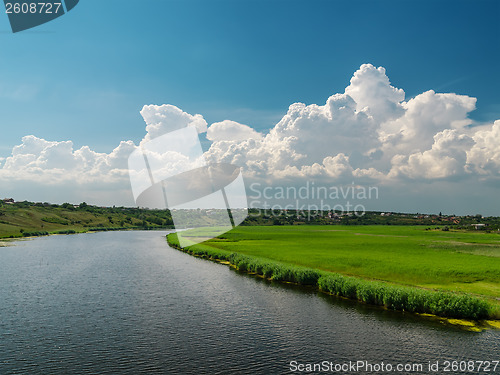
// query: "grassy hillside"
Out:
[26,219]
[453,260]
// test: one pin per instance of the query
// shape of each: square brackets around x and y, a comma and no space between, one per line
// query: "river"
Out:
[126,303]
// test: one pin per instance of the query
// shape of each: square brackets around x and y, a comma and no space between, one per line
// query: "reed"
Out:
[393,297]
[403,298]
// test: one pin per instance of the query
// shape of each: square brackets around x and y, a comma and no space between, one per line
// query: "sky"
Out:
[72,92]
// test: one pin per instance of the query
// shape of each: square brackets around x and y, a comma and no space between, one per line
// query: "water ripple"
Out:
[125,303]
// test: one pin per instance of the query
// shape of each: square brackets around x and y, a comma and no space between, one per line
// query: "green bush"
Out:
[35,234]
[69,231]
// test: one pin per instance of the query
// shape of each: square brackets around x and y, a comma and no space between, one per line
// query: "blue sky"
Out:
[86,76]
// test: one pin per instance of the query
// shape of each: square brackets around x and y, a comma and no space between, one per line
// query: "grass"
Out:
[402,268]
[27,220]
[455,261]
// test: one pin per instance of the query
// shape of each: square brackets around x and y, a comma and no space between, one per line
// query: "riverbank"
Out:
[26,235]
[379,293]
[28,219]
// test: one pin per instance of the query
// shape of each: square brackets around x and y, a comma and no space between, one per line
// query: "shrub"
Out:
[69,231]
[35,234]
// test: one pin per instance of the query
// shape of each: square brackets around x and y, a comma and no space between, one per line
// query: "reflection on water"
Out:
[124,302]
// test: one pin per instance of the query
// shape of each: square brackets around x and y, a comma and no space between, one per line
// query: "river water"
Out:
[126,303]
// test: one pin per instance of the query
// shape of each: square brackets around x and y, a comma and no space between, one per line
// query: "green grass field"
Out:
[433,259]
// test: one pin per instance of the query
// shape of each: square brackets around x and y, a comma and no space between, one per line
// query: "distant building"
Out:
[478,226]
[8,201]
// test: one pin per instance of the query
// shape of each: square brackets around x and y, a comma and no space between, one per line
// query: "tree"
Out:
[67,206]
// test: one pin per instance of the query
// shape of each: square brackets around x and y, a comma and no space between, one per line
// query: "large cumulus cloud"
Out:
[53,162]
[370,132]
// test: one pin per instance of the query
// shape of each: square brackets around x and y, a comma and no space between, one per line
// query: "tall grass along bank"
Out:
[393,297]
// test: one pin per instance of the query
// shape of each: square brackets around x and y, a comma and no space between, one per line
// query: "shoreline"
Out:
[72,231]
[465,311]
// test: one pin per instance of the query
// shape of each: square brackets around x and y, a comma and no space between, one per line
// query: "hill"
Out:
[23,219]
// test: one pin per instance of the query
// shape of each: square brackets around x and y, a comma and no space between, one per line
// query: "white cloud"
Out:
[162,119]
[53,162]
[302,138]
[228,130]
[337,166]
[484,156]
[446,158]
[371,90]
[424,116]
[367,133]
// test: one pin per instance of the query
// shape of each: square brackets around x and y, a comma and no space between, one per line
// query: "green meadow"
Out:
[406,256]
